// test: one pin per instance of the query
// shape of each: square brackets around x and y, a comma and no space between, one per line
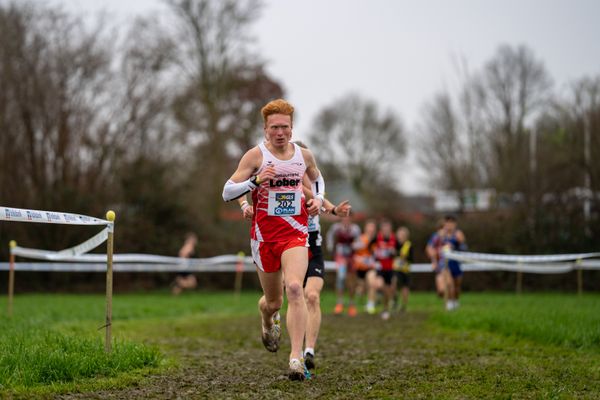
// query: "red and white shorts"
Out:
[267,255]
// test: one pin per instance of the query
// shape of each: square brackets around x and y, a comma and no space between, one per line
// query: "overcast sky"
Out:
[400,53]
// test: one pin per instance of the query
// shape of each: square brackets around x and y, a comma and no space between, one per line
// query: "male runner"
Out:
[279,235]
[402,266]
[313,283]
[454,239]
[186,280]
[364,266]
[385,248]
[341,236]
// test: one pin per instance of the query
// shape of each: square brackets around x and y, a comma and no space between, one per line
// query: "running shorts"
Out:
[387,275]
[267,255]
[316,263]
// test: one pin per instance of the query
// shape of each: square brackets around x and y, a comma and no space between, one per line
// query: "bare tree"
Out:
[481,137]
[71,114]
[512,89]
[366,145]
[52,75]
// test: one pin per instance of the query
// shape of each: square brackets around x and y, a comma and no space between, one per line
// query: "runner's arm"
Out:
[242,181]
[313,173]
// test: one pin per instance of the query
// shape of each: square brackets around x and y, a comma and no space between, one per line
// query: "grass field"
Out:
[206,345]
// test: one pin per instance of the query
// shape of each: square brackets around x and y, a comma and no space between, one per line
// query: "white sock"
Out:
[309,350]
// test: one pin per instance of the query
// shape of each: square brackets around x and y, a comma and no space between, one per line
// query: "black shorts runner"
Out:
[316,263]
[403,278]
[362,273]
[387,276]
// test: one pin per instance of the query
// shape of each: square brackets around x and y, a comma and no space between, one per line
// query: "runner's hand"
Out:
[266,174]
[248,213]
[343,209]
[314,206]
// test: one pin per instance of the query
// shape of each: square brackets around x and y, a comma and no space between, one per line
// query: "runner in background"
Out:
[385,247]
[364,267]
[340,239]
[186,280]
[314,281]
[451,238]
[402,267]
[441,277]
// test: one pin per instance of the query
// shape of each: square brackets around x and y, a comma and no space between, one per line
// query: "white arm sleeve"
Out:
[233,190]
[318,188]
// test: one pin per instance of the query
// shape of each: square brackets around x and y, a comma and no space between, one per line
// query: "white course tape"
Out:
[467,256]
[48,217]
[76,251]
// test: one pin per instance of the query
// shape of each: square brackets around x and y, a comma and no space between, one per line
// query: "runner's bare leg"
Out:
[312,292]
[272,299]
[294,263]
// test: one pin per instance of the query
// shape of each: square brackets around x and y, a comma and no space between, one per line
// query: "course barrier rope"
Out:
[53,217]
[48,217]
[64,255]
[466,256]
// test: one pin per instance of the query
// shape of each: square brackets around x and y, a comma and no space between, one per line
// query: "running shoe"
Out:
[298,370]
[370,308]
[339,308]
[270,338]
[352,311]
[309,361]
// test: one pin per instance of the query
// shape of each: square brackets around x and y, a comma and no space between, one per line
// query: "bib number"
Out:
[284,204]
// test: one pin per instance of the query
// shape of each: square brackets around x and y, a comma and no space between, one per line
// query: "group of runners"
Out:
[376,261]
[287,196]
[375,264]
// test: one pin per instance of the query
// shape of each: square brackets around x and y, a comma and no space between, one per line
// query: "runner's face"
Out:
[386,229]
[401,234]
[278,130]
[449,226]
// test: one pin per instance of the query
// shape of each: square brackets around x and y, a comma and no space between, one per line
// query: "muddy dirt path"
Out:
[225,359]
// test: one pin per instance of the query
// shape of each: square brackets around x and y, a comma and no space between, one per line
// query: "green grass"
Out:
[556,319]
[205,345]
[53,344]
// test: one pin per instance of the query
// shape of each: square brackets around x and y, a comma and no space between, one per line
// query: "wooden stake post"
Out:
[110,216]
[579,278]
[11,278]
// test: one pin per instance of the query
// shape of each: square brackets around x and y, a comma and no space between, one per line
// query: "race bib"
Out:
[284,204]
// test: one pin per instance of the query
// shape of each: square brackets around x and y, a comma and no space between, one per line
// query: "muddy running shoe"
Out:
[270,338]
[339,308]
[298,370]
[309,361]
[370,308]
[352,311]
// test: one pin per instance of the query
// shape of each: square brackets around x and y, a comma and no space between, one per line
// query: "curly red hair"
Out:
[278,106]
